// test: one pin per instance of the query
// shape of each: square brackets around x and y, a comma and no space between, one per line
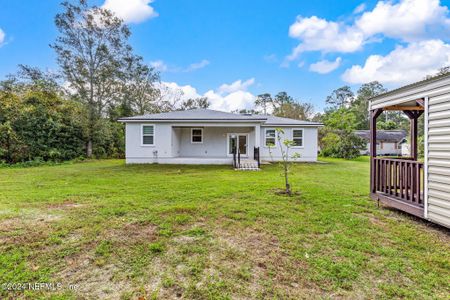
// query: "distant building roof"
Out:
[210,115]
[383,135]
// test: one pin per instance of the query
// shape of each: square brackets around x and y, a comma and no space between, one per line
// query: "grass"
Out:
[102,229]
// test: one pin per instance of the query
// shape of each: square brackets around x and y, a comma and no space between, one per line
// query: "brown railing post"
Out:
[374,114]
[256,156]
[239,159]
[399,178]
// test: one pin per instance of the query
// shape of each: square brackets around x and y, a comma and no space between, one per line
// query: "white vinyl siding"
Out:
[297,137]
[439,159]
[197,135]
[148,135]
[269,137]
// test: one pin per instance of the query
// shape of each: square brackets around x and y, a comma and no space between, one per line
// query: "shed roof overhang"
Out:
[411,97]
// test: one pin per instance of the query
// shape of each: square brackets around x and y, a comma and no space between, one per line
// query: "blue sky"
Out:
[231,51]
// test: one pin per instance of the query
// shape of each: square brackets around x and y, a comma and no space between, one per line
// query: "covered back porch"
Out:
[237,145]
[398,182]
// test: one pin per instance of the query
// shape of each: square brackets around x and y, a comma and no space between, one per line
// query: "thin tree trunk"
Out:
[89,148]
[288,186]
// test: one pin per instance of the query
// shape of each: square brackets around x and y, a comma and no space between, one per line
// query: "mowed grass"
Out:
[103,229]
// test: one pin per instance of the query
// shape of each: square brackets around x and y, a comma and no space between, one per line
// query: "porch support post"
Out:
[374,114]
[414,148]
[413,117]
[257,136]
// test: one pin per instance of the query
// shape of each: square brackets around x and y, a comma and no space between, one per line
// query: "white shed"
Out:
[419,188]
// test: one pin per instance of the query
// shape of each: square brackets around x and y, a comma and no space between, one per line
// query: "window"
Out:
[148,135]
[270,137]
[197,135]
[297,137]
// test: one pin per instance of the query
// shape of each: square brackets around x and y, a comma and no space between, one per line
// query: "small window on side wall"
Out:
[270,137]
[148,135]
[197,135]
[297,137]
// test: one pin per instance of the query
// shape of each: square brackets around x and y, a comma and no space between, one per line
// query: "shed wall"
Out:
[439,159]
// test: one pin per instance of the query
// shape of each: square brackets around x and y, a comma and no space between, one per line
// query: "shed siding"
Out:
[439,159]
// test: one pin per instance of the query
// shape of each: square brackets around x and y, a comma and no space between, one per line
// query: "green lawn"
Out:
[106,230]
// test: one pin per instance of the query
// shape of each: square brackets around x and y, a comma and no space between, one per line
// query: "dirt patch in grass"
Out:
[265,267]
[26,229]
[282,192]
[64,205]
[133,233]
[91,281]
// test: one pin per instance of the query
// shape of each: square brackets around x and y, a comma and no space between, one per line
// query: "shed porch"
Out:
[398,182]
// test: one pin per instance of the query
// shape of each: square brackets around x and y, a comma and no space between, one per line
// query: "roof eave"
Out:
[123,120]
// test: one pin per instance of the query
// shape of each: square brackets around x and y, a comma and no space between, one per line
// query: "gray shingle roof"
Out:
[383,135]
[272,120]
[196,114]
[214,115]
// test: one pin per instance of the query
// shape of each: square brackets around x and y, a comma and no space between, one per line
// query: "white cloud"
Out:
[359,9]
[131,11]
[196,66]
[227,97]
[232,101]
[318,34]
[238,85]
[325,66]
[2,37]
[270,58]
[159,65]
[406,20]
[185,91]
[405,64]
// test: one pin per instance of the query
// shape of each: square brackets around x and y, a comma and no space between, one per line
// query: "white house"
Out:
[389,142]
[204,136]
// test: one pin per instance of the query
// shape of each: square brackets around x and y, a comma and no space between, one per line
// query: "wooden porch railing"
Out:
[399,178]
[256,156]
[236,158]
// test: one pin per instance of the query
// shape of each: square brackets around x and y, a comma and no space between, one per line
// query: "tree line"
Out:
[73,111]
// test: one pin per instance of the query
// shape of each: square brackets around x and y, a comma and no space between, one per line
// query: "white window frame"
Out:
[237,136]
[142,135]
[192,135]
[265,137]
[303,137]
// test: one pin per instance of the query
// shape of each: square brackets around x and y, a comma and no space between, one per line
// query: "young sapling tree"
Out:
[284,145]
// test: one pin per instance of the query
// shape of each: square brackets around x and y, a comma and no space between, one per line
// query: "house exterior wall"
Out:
[176,138]
[438,158]
[307,153]
[135,152]
[214,141]
[172,144]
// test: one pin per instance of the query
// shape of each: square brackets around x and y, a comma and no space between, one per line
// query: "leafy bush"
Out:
[39,126]
[338,138]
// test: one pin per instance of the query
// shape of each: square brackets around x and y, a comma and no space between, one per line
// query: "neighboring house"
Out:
[389,142]
[204,136]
